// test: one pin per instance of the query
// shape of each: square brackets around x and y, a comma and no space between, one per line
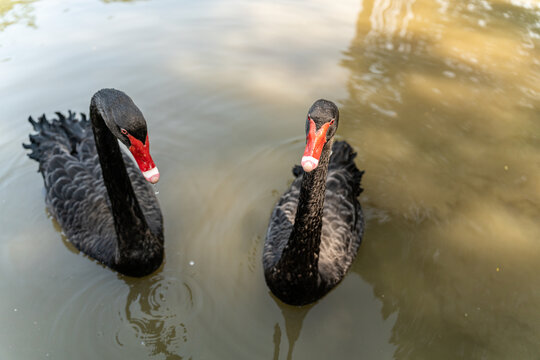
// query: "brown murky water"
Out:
[441,99]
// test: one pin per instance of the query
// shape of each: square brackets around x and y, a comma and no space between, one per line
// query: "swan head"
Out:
[126,122]
[321,125]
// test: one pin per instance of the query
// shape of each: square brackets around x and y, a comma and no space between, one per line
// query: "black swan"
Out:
[97,194]
[317,226]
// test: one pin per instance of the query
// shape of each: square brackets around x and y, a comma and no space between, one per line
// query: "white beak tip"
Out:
[152,175]
[309,163]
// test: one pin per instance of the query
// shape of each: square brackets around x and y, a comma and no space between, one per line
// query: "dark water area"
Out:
[441,100]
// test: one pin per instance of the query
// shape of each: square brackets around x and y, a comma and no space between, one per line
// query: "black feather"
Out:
[77,197]
[340,237]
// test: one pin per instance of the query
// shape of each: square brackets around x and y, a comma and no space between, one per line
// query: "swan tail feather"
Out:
[60,135]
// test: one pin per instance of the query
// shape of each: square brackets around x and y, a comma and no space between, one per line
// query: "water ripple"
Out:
[157,312]
[126,315]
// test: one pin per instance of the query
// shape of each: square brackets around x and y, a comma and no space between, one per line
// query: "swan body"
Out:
[98,195]
[317,226]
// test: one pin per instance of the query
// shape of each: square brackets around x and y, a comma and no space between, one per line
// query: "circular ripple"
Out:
[157,311]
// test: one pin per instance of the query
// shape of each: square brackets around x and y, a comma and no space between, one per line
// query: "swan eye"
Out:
[332,122]
[124,131]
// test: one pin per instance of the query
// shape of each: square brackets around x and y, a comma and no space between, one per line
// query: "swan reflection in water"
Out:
[151,311]
[293,317]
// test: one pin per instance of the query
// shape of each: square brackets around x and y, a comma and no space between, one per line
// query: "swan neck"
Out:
[129,221]
[302,250]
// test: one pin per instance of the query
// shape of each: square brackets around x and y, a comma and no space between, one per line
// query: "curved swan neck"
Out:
[302,249]
[129,221]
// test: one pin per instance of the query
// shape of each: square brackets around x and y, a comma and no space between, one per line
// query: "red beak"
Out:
[141,153]
[314,145]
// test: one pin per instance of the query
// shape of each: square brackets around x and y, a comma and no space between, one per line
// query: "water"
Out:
[441,100]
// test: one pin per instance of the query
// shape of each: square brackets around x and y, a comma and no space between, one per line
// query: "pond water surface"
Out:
[441,100]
